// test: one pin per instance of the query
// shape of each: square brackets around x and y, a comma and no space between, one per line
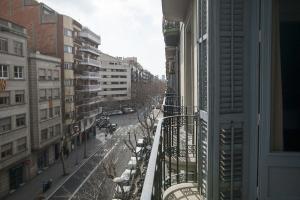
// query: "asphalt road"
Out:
[90,180]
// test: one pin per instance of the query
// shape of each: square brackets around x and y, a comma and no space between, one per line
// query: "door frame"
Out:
[268,159]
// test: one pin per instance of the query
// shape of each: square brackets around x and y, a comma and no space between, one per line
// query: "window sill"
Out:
[12,130]
[11,54]
[18,79]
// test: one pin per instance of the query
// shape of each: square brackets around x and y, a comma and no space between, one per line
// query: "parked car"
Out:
[140,143]
[115,112]
[128,110]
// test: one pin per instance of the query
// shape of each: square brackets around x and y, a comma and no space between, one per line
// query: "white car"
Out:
[125,188]
[140,143]
[132,164]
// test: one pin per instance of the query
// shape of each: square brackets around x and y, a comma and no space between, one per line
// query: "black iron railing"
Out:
[174,153]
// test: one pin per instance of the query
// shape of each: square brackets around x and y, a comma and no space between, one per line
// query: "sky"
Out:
[127,27]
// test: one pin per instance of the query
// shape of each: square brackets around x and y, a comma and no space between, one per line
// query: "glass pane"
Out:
[285,106]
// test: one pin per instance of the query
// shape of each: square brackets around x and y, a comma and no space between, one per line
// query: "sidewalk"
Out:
[33,188]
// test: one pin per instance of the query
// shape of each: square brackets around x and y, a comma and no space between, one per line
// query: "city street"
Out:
[98,148]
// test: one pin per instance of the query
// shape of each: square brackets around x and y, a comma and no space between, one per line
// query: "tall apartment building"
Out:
[115,79]
[87,84]
[45,110]
[61,36]
[14,107]
[234,63]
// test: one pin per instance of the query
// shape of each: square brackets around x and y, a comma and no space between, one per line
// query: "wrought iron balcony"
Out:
[171,32]
[174,154]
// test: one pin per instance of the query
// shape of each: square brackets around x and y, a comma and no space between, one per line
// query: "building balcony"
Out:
[175,10]
[91,62]
[88,34]
[89,100]
[88,75]
[171,32]
[88,88]
[173,164]
[77,40]
[88,114]
[90,49]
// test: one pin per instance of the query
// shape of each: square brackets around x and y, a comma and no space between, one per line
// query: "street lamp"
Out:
[76,130]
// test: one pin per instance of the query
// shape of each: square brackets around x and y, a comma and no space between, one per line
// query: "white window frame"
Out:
[19,71]
[2,71]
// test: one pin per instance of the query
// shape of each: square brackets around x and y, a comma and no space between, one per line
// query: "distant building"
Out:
[163,77]
[115,79]
[138,75]
[45,109]
[14,107]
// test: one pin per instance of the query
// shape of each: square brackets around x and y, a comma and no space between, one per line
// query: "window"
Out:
[67,32]
[69,99]
[42,94]
[43,114]
[44,135]
[50,112]
[18,72]
[21,120]
[22,144]
[49,93]
[3,71]
[51,131]
[4,98]
[285,95]
[42,74]
[55,93]
[49,74]
[57,111]
[3,45]
[18,48]
[68,65]
[55,75]
[20,97]
[69,82]
[67,49]
[5,124]
[57,129]
[6,150]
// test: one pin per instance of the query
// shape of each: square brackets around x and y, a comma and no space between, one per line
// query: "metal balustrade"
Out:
[174,155]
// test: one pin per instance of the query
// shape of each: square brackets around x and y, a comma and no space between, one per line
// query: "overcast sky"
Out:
[127,27]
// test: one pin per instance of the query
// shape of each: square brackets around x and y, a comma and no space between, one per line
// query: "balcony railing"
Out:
[89,100]
[88,114]
[88,34]
[174,152]
[90,49]
[87,75]
[171,32]
[87,88]
[90,61]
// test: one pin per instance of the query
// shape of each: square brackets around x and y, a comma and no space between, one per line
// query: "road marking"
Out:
[90,174]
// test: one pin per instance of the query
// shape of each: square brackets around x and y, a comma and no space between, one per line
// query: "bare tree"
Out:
[147,121]
[95,188]
[130,145]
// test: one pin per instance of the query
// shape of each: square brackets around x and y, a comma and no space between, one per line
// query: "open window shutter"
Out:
[231,105]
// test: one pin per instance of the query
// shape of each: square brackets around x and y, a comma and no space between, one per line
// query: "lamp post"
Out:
[85,138]
[76,130]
